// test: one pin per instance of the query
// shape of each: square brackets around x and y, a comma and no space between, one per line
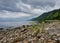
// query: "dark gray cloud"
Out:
[9,5]
[41,3]
[31,8]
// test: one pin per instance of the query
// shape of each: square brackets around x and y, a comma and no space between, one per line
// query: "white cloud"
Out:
[8,14]
[57,5]
[24,7]
[38,11]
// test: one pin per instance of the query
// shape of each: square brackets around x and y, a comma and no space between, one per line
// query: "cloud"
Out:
[26,8]
[9,5]
[13,9]
[38,12]
[8,14]
[47,5]
[41,3]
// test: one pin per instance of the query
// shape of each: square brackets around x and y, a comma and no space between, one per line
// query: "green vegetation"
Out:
[35,28]
[52,15]
[38,28]
[55,15]
[43,27]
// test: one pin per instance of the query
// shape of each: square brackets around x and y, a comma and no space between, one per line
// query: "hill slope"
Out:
[52,15]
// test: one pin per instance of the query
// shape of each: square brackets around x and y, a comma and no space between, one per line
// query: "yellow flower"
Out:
[43,22]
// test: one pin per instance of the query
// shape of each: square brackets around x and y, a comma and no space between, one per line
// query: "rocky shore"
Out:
[25,34]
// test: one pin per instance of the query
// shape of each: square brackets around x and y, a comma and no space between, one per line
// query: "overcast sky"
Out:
[26,8]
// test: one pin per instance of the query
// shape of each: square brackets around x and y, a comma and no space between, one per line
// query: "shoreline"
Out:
[27,34]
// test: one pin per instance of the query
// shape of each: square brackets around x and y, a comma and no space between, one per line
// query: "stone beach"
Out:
[25,34]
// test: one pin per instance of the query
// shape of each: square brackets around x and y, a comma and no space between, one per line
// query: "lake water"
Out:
[13,24]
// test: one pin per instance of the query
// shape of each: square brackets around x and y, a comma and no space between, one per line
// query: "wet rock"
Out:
[17,28]
[23,26]
[1,28]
